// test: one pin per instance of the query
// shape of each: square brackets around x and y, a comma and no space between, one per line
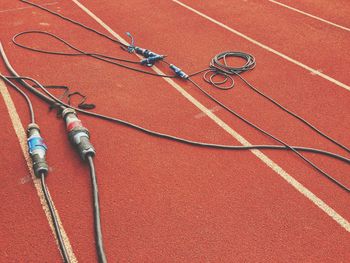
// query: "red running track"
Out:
[166,202]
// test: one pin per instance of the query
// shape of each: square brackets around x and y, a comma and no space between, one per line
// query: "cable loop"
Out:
[108,59]
[217,68]
[131,47]
[218,84]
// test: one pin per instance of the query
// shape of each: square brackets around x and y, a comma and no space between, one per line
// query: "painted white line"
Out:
[309,15]
[275,167]
[25,7]
[202,114]
[322,75]
[22,138]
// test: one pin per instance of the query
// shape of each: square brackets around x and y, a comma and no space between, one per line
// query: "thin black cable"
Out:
[81,53]
[96,208]
[29,103]
[271,136]
[54,220]
[216,67]
[75,22]
[294,115]
[105,58]
[219,68]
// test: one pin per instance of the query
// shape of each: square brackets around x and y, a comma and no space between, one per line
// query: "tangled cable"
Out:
[218,69]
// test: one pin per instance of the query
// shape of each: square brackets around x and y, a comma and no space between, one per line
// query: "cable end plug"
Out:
[151,60]
[78,135]
[178,71]
[37,150]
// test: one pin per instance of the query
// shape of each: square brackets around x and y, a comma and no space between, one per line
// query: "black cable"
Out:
[81,53]
[218,68]
[75,22]
[271,136]
[24,83]
[182,140]
[96,208]
[42,179]
[30,106]
[105,58]
[295,150]
[237,115]
[295,115]
[54,220]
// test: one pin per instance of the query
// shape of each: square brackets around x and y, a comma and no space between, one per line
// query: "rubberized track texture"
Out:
[162,201]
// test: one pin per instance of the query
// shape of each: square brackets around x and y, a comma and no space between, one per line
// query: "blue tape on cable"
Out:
[35,143]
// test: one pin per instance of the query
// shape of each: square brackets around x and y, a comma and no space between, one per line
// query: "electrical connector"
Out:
[37,150]
[78,135]
[178,71]
[151,60]
[145,52]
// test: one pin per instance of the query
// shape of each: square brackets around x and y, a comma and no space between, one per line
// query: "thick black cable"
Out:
[182,140]
[96,208]
[54,220]
[29,103]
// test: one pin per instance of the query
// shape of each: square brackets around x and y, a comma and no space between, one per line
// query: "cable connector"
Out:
[78,135]
[178,71]
[131,47]
[37,150]
[151,60]
[141,51]
[145,52]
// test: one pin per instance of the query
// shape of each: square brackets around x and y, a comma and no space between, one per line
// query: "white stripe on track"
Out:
[312,70]
[22,138]
[275,167]
[310,15]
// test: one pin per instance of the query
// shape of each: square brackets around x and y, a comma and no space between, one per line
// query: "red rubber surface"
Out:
[25,232]
[333,11]
[166,202]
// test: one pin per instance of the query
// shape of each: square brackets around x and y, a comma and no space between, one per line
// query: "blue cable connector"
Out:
[178,71]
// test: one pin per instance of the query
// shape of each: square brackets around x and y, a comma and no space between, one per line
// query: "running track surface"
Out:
[163,201]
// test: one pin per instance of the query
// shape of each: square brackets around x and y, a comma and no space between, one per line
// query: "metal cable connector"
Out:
[151,60]
[78,135]
[37,150]
[178,71]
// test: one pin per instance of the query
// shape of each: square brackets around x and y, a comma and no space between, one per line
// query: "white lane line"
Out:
[25,7]
[275,167]
[310,15]
[314,71]
[22,138]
